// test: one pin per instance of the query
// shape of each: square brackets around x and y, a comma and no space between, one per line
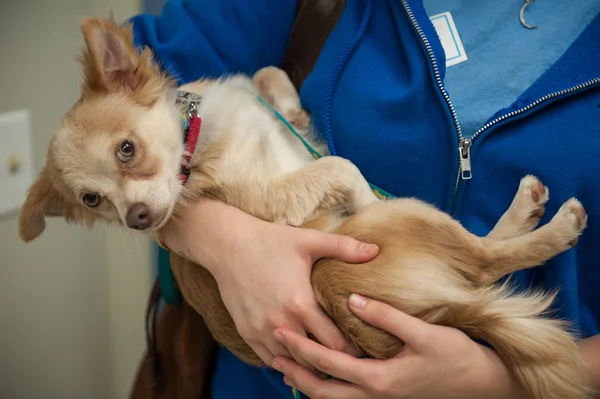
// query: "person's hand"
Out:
[263,272]
[267,285]
[436,362]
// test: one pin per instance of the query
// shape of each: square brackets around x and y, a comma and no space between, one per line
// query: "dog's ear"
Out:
[111,63]
[110,60]
[42,200]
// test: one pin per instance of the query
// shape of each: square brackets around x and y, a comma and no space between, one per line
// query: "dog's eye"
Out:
[125,151]
[91,200]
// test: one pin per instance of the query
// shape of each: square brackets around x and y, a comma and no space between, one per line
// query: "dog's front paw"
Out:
[570,221]
[351,181]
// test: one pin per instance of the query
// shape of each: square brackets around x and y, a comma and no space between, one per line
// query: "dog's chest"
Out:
[257,143]
[288,152]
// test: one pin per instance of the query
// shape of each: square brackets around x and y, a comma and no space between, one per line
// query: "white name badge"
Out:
[446,30]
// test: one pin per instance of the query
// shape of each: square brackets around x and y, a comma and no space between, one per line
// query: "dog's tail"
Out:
[540,351]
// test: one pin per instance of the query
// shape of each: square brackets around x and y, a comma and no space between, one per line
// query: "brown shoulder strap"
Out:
[315,19]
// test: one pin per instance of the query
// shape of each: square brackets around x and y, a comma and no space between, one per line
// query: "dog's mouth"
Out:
[163,218]
[162,221]
[151,215]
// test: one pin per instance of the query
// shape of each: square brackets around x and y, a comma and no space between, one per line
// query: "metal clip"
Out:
[522,15]
[190,101]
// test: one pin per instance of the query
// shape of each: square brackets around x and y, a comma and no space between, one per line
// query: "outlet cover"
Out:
[16,166]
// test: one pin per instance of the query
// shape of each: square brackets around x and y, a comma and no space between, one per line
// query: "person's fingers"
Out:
[347,249]
[328,333]
[291,355]
[265,354]
[330,362]
[279,349]
[305,364]
[314,387]
[409,329]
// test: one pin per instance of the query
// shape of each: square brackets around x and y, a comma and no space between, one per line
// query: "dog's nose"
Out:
[138,217]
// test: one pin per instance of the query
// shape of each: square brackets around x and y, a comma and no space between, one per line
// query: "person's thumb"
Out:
[347,249]
[409,329]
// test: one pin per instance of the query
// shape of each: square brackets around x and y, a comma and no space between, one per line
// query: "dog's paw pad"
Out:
[532,198]
[538,192]
[577,212]
[532,187]
[573,219]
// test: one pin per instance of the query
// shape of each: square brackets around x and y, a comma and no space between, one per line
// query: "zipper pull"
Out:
[464,154]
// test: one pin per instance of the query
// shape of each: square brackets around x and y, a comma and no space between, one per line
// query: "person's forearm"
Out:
[211,227]
[497,382]
[590,351]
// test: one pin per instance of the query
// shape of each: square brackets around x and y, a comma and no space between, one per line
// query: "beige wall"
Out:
[71,302]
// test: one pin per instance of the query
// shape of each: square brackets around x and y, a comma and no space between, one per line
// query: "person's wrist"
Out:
[589,352]
[490,378]
[209,232]
[240,237]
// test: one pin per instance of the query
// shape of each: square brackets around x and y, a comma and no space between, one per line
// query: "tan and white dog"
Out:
[119,156]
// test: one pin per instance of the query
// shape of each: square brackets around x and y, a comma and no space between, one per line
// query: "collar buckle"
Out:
[191,101]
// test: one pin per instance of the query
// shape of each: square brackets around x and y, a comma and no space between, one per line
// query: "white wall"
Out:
[72,302]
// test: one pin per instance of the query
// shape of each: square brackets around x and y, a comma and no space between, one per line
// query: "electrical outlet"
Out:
[16,165]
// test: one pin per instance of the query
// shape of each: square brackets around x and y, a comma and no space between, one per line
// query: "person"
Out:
[458,132]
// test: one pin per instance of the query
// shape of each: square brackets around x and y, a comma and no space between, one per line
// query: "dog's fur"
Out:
[429,266]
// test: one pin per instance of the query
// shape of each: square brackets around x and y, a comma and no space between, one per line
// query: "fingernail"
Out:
[278,336]
[357,301]
[277,366]
[367,248]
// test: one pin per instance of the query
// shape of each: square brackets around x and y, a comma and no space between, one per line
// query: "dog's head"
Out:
[117,152]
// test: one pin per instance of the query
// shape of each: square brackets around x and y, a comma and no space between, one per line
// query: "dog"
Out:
[119,156]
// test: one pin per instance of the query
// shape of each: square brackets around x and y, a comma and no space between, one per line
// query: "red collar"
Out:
[190,124]
[190,139]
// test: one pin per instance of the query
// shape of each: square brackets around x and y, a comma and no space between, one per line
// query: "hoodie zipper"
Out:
[464,171]
[436,69]
[465,144]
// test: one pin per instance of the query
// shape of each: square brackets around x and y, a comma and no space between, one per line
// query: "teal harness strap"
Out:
[287,124]
[166,280]
[380,193]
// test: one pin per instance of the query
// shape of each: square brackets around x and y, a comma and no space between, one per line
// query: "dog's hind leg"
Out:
[525,211]
[275,87]
[532,249]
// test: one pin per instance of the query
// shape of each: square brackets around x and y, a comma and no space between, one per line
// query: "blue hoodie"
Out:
[377,95]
